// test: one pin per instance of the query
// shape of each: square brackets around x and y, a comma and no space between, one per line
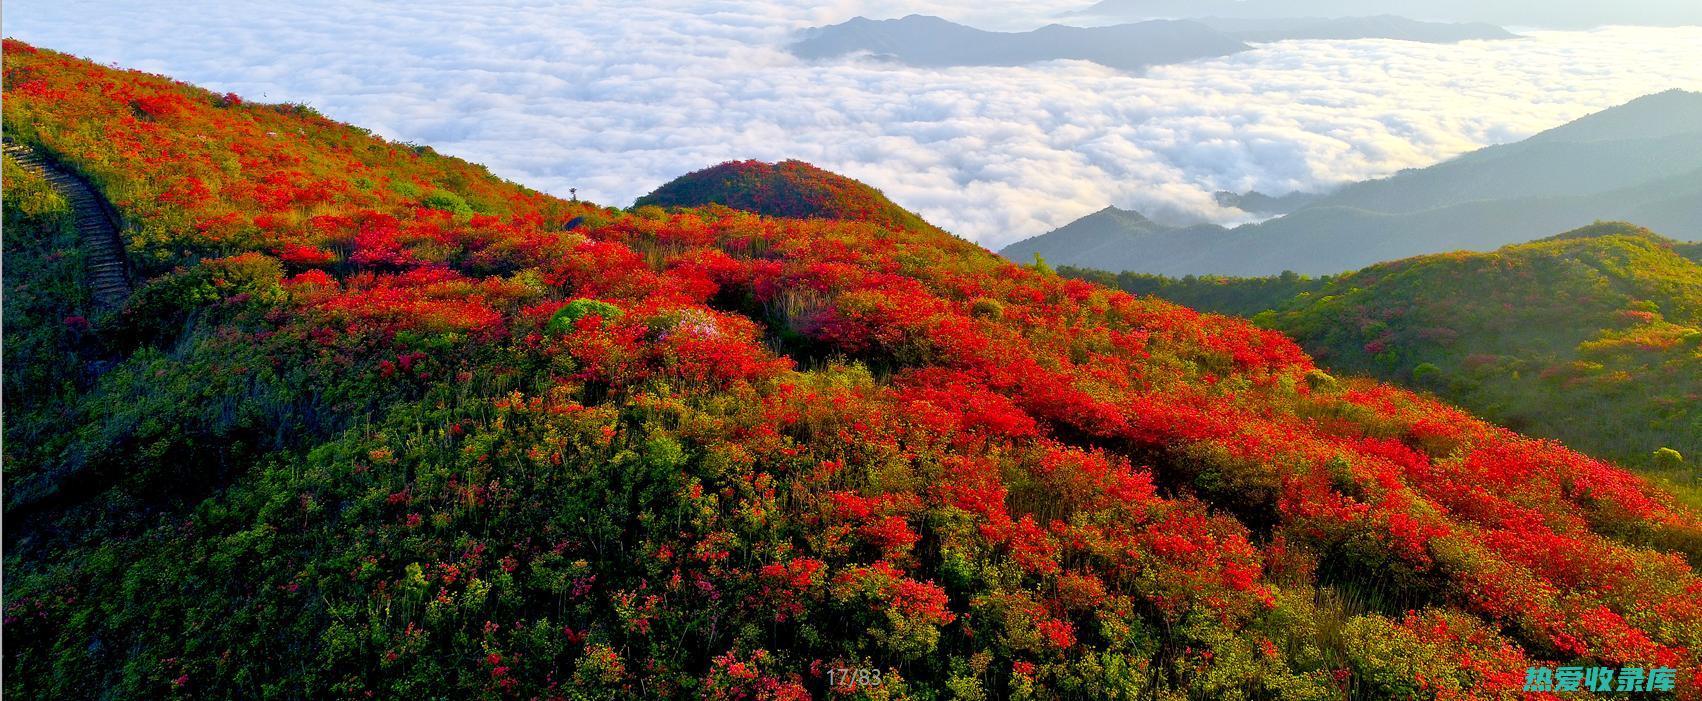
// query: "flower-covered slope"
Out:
[378,425]
[1607,317]
[1605,320]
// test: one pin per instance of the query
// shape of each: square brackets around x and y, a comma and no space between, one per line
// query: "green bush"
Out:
[445,201]
[987,308]
[569,316]
[30,194]
[1426,373]
[1320,381]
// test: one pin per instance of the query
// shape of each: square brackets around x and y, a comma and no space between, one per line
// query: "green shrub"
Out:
[445,201]
[31,194]
[650,212]
[567,317]
[1320,381]
[1668,459]
[1426,373]
[1041,266]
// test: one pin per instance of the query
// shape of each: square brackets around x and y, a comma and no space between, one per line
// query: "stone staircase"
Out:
[108,272]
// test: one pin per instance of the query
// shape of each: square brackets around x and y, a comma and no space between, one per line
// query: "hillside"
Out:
[1087,236]
[931,41]
[1640,162]
[786,189]
[1590,337]
[1102,239]
[374,423]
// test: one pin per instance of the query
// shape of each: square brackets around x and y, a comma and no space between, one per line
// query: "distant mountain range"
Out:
[1639,162]
[1265,205]
[1266,29]
[1527,13]
[922,40]
[930,41]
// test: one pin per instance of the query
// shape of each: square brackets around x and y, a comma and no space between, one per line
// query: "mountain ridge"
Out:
[926,40]
[932,41]
[1361,27]
[1601,166]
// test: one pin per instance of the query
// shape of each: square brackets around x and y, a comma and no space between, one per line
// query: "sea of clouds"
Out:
[615,97]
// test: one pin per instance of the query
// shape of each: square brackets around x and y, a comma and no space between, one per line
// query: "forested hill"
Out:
[374,423]
[786,189]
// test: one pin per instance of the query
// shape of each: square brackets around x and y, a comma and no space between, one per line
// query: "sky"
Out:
[615,99]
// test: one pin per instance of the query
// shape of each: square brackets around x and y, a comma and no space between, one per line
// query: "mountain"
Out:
[1590,337]
[1524,13]
[1649,139]
[1093,231]
[785,189]
[1379,27]
[374,423]
[1106,236]
[1640,162]
[1256,202]
[931,41]
[921,40]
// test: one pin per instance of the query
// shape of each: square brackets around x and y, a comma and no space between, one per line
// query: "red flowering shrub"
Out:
[517,446]
[305,255]
[785,189]
[160,105]
[904,615]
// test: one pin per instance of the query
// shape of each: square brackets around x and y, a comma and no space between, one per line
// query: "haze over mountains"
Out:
[1640,162]
[922,40]
[1355,27]
[1259,203]
[1524,13]
[932,41]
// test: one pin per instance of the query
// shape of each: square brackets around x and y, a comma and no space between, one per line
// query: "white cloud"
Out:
[615,99]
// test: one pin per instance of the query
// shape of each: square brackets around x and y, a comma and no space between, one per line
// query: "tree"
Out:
[1041,266]
[1667,459]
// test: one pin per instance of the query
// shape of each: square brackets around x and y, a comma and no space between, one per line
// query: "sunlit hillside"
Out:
[1590,337]
[791,189]
[375,424]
